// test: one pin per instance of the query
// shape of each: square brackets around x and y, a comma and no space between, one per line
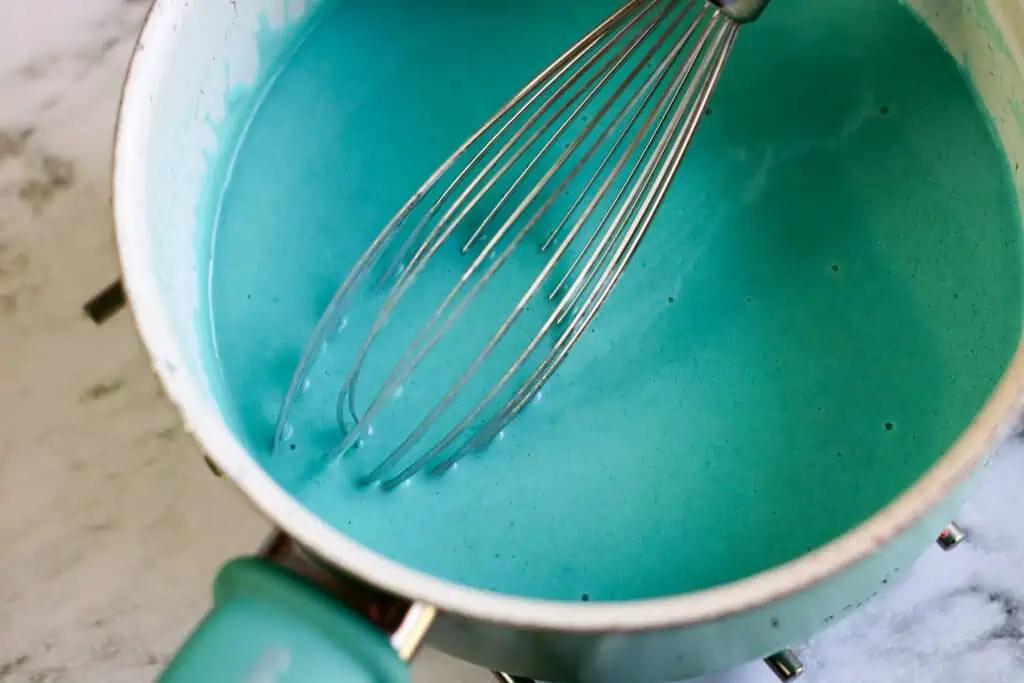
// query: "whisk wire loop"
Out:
[623,105]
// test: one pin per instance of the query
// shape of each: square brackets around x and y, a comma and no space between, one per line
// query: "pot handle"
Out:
[268,625]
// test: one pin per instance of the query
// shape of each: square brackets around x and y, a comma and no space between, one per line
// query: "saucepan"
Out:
[314,604]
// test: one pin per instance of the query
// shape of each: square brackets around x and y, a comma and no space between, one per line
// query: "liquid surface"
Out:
[823,304]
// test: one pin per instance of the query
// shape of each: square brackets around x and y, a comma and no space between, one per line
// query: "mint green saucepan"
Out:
[784,403]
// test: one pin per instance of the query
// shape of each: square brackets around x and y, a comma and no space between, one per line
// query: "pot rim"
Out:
[275,504]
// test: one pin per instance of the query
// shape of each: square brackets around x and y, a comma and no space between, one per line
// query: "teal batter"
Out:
[826,299]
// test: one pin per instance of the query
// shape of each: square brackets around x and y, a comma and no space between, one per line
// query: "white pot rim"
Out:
[229,455]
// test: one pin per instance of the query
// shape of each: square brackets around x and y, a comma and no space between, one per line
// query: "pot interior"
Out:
[826,300]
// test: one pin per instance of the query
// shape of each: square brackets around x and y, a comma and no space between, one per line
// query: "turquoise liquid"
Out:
[826,299]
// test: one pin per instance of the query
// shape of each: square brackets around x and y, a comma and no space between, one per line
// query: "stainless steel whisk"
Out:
[615,113]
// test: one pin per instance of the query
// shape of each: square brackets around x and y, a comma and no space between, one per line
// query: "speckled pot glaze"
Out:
[191,59]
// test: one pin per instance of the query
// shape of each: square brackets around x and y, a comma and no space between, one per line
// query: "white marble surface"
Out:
[110,525]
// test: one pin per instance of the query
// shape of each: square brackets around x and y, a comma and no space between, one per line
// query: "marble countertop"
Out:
[112,528]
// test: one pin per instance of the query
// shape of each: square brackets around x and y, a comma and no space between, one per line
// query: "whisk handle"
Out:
[269,626]
[742,11]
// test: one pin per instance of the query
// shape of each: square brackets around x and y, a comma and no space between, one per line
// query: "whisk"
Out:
[614,117]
